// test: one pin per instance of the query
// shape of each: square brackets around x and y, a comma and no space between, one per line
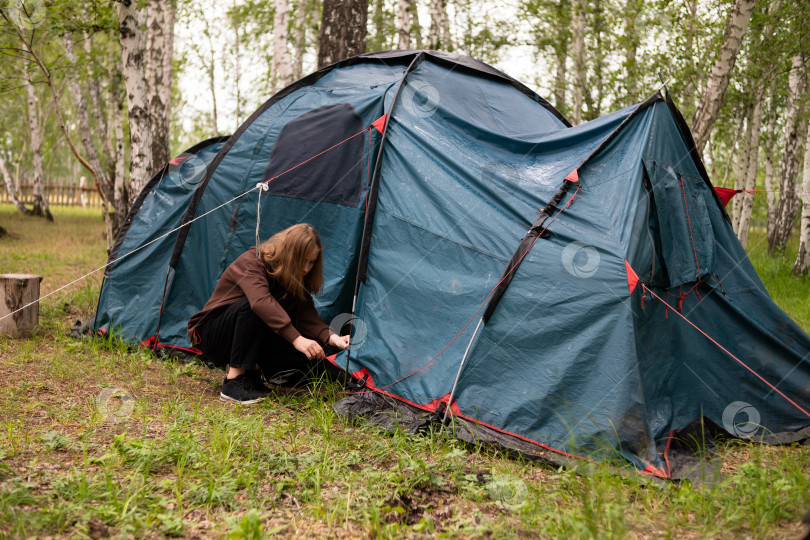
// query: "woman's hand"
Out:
[308,348]
[341,342]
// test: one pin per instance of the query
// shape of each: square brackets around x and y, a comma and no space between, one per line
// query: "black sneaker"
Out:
[241,390]
[258,381]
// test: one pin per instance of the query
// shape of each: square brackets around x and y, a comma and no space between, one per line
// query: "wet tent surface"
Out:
[574,360]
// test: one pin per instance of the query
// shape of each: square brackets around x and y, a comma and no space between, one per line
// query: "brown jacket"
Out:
[288,315]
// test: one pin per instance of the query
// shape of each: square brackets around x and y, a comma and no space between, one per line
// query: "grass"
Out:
[97,440]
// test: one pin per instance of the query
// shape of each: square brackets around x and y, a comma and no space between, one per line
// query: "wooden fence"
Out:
[57,194]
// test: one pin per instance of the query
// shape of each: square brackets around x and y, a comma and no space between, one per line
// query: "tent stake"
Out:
[458,375]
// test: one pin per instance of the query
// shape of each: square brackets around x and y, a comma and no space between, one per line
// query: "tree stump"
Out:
[16,291]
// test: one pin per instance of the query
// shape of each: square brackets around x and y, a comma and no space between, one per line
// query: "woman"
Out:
[261,317]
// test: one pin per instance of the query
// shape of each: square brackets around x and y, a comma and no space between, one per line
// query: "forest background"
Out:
[111,90]
[98,440]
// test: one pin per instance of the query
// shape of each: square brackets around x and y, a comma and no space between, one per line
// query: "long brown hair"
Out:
[285,253]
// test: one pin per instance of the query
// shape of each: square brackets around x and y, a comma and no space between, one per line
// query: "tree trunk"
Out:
[282,63]
[446,38]
[12,189]
[160,16]
[769,172]
[16,291]
[404,24]
[97,106]
[752,146]
[691,32]
[343,30]
[115,137]
[85,132]
[560,82]
[741,167]
[416,27]
[712,98]
[435,29]
[120,197]
[803,257]
[209,65]
[35,129]
[236,26]
[595,104]
[794,131]
[300,39]
[140,124]
[580,74]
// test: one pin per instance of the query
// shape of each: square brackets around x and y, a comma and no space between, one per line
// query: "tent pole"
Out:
[371,202]
[460,367]
[349,348]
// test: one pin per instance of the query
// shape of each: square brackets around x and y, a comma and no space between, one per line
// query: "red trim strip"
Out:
[152,343]
[433,405]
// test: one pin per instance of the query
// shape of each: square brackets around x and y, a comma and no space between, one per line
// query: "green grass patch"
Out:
[99,440]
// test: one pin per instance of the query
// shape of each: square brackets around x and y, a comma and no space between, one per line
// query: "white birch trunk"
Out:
[630,57]
[100,178]
[11,189]
[580,74]
[55,97]
[559,82]
[120,199]
[115,137]
[435,29]
[794,134]
[300,39]
[752,145]
[404,24]
[712,97]
[282,63]
[96,103]
[802,263]
[35,130]
[741,168]
[158,75]
[140,124]
[237,65]
[416,28]
[769,175]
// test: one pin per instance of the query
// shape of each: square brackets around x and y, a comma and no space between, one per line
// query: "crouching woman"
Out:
[261,318]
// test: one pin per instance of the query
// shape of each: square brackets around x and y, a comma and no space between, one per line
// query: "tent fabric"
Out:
[429,177]
[133,287]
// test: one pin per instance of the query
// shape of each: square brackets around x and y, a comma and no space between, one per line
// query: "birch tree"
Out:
[300,41]
[160,17]
[751,154]
[768,150]
[580,69]
[551,32]
[438,37]
[207,58]
[802,263]
[35,127]
[788,205]
[140,122]
[404,24]
[720,73]
[758,76]
[343,30]
[97,170]
[11,188]
[282,62]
